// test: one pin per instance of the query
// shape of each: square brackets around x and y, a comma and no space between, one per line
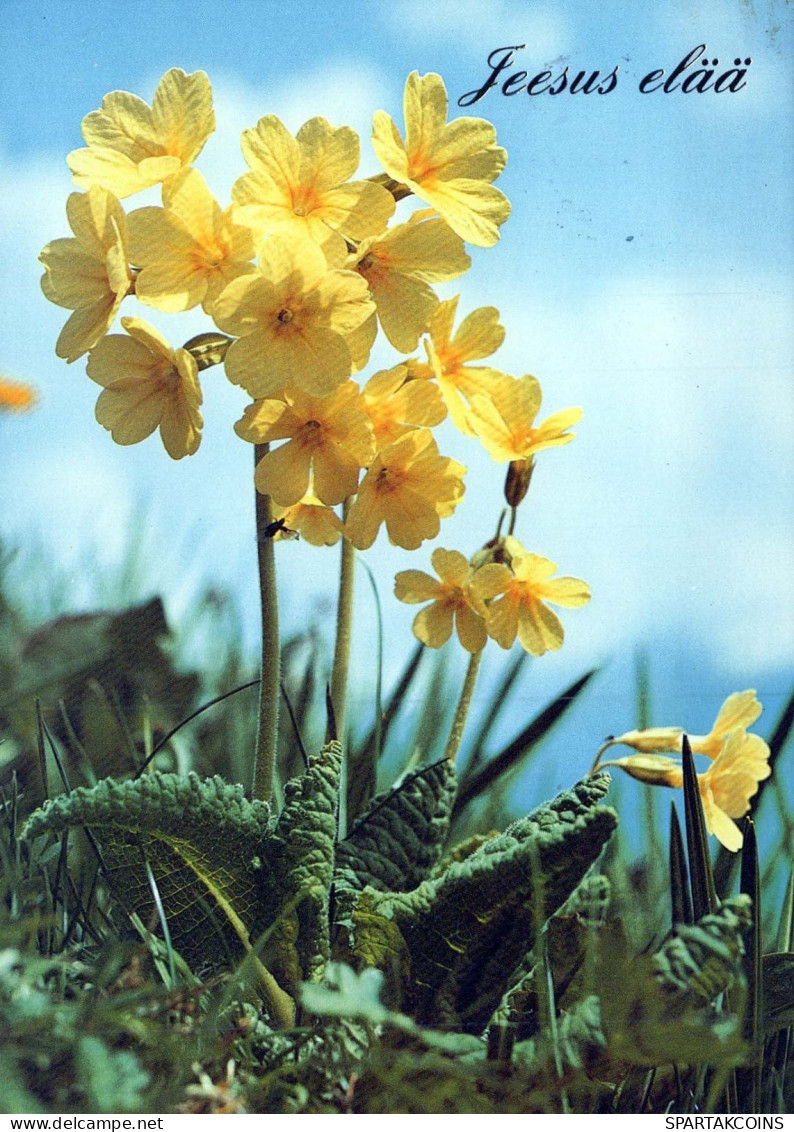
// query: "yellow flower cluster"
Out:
[298,274]
[739,761]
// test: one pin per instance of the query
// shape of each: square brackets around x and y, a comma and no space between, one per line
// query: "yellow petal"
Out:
[433,625]
[413,586]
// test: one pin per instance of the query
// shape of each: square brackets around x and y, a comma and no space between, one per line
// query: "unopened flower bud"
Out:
[519,476]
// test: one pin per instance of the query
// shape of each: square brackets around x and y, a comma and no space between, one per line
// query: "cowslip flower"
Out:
[299,186]
[726,787]
[329,437]
[147,385]
[88,273]
[521,609]
[16,396]
[505,420]
[741,709]
[132,146]
[311,519]
[457,597]
[189,250]
[448,165]
[292,316]
[478,336]
[395,405]
[409,487]
[399,265]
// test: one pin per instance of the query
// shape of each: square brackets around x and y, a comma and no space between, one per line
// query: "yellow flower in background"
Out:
[449,165]
[292,316]
[16,396]
[132,146]
[478,336]
[395,405]
[330,437]
[399,265]
[88,274]
[741,709]
[300,186]
[725,788]
[504,420]
[457,597]
[409,486]
[147,386]
[312,520]
[189,250]
[521,610]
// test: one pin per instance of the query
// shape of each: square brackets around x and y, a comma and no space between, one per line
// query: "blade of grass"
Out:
[701,878]
[748,1078]
[680,896]
[363,766]
[522,745]
[489,719]
[395,699]
[726,861]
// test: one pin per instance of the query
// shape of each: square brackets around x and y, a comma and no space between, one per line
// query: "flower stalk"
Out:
[344,631]
[270,686]
[462,710]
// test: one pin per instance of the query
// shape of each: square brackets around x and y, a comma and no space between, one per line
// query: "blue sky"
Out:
[645,274]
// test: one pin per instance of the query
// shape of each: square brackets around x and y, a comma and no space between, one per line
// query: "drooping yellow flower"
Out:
[292,316]
[521,609]
[16,396]
[132,146]
[189,250]
[409,486]
[312,520]
[299,186]
[330,437]
[396,405]
[478,336]
[147,385]
[505,420]
[399,265]
[726,787]
[449,165]
[88,274]
[458,597]
[741,709]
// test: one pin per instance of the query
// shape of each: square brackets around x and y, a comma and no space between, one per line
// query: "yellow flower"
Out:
[147,384]
[504,420]
[88,274]
[312,520]
[458,597]
[131,146]
[449,165]
[189,250]
[15,396]
[741,709]
[408,487]
[478,336]
[400,264]
[521,610]
[292,316]
[726,787]
[331,436]
[396,405]
[300,186]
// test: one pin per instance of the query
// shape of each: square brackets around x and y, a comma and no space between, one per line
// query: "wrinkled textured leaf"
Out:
[701,960]
[466,931]
[201,838]
[397,842]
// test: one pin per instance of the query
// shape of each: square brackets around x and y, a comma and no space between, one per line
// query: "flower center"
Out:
[285,316]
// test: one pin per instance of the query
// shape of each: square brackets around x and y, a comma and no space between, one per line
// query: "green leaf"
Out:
[466,931]
[700,961]
[398,841]
[202,840]
[296,872]
[778,979]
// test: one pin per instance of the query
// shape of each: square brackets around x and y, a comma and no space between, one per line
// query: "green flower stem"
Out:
[464,703]
[270,686]
[344,632]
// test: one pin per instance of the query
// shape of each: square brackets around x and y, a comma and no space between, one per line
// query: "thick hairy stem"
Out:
[462,711]
[270,687]
[344,633]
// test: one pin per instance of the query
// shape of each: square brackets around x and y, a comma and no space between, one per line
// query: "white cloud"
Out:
[478,26]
